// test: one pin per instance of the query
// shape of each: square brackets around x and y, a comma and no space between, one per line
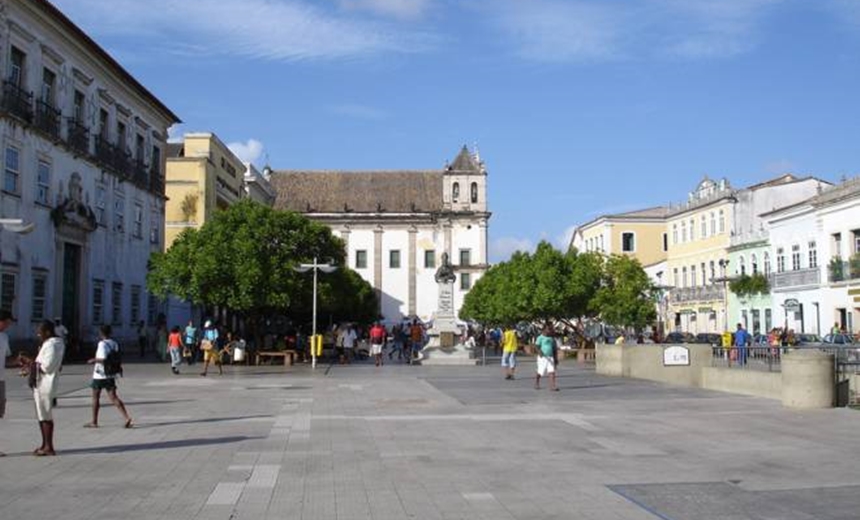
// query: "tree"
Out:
[244,258]
[625,296]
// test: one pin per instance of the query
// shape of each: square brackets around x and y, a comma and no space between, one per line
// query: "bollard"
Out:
[808,379]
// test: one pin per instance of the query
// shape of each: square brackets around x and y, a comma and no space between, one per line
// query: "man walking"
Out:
[509,352]
[742,339]
[545,363]
[377,340]
[105,369]
[5,355]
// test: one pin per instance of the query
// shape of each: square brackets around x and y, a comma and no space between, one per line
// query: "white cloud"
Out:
[357,111]
[249,151]
[594,30]
[404,9]
[175,133]
[502,248]
[265,29]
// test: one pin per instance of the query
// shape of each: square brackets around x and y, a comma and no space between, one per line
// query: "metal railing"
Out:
[769,358]
[17,101]
[47,119]
[840,271]
[77,136]
[796,278]
[706,293]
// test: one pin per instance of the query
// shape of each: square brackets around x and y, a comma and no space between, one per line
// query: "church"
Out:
[397,225]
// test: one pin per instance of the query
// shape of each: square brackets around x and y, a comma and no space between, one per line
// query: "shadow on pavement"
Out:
[127,402]
[205,420]
[162,445]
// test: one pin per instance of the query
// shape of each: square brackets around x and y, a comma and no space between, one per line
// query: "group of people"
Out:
[211,343]
[43,372]
[547,355]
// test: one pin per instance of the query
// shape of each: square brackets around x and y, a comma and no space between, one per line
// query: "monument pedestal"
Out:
[442,347]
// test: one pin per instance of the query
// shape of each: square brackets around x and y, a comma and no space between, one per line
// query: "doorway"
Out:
[71,288]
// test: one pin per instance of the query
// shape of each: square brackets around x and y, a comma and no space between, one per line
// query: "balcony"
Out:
[78,137]
[122,163]
[797,278]
[47,119]
[156,182]
[140,174]
[707,293]
[17,101]
[840,271]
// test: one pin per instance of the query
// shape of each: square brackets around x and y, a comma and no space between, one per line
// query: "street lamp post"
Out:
[326,268]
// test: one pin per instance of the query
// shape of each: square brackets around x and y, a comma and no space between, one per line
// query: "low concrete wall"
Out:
[745,382]
[806,379]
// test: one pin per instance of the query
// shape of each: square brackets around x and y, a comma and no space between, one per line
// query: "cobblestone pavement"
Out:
[399,442]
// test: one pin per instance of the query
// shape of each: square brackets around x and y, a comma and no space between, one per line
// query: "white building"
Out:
[397,225]
[82,145]
[257,186]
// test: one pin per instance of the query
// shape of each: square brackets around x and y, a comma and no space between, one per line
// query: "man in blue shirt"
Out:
[742,339]
[545,362]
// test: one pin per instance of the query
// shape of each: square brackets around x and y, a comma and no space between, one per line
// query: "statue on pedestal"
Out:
[445,273]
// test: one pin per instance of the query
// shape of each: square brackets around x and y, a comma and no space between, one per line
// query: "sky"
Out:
[578,107]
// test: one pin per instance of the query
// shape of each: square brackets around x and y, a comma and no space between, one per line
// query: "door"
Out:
[71,289]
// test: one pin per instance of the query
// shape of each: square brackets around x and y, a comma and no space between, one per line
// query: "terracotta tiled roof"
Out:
[361,192]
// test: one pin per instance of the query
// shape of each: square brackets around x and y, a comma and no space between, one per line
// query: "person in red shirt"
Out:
[377,340]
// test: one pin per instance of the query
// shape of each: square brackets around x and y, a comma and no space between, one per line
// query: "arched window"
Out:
[713,271]
[722,222]
[713,223]
[754,263]
[742,266]
[474,192]
[683,277]
[692,230]
[455,192]
[704,232]
[674,233]
[683,231]
[766,263]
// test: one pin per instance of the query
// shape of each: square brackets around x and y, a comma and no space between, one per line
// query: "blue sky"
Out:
[578,107]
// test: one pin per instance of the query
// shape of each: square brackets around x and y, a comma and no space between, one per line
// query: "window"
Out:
[754,263]
[674,233]
[683,231]
[135,303]
[795,257]
[100,205]
[47,94]
[103,124]
[742,266]
[394,259]
[665,242]
[713,224]
[474,192]
[98,302]
[138,221]
[767,266]
[78,108]
[722,222]
[693,276]
[704,232]
[713,271]
[465,281]
[692,230]
[455,192]
[138,148]
[120,136]
[154,229]
[40,291]
[856,234]
[116,303]
[675,277]
[430,259]
[768,319]
[704,275]
[780,260]
[7,292]
[601,243]
[628,242]
[155,162]
[361,259]
[813,255]
[837,244]
[43,182]
[119,215]
[13,170]
[152,309]
[683,277]
[16,67]
[465,257]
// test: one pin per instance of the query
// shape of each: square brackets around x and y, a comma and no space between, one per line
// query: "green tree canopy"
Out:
[625,297]
[243,259]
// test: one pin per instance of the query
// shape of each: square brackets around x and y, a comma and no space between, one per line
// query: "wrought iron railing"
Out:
[140,173]
[706,293]
[840,271]
[77,136]
[17,101]
[47,119]
[796,278]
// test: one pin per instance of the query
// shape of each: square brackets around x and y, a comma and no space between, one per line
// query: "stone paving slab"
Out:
[359,442]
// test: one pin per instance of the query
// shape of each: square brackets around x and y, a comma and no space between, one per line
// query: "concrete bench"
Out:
[289,356]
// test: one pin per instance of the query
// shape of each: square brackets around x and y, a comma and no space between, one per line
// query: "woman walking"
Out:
[174,346]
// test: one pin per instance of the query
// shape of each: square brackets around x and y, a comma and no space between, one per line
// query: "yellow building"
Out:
[640,234]
[203,176]
[698,240]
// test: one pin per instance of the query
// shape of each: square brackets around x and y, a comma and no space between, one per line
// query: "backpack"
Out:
[113,361]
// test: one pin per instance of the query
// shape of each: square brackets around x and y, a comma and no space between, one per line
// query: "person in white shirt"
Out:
[5,355]
[105,381]
[45,382]
[349,339]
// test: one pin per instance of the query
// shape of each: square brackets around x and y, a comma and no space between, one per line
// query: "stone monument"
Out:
[442,347]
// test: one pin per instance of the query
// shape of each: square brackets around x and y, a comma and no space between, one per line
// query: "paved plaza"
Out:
[400,442]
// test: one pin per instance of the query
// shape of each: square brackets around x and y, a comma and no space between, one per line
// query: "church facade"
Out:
[396,226]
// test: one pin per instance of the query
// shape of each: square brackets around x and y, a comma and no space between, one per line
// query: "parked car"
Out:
[839,339]
[803,339]
[708,338]
[679,337]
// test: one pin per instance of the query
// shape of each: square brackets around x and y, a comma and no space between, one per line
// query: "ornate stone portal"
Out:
[442,347]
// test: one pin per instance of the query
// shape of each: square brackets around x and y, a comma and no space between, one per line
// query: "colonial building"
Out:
[203,176]
[640,234]
[257,186]
[715,220]
[398,224]
[83,154]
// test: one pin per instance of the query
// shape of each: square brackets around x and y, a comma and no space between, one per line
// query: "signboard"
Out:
[676,356]
[791,305]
